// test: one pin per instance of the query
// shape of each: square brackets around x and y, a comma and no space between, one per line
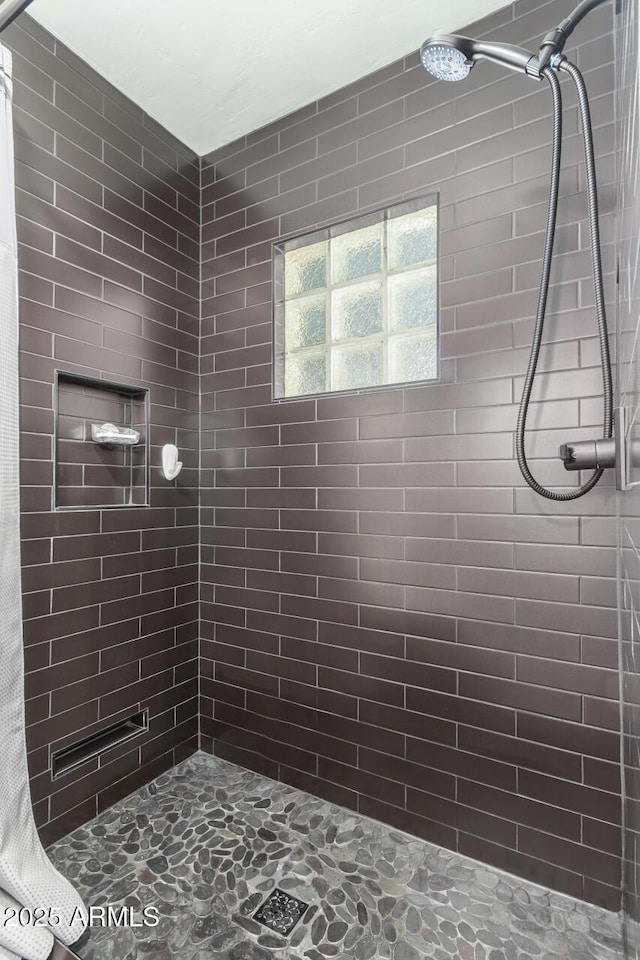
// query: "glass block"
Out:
[305,321]
[413,358]
[357,365]
[305,269]
[356,254]
[356,311]
[413,299]
[305,373]
[413,238]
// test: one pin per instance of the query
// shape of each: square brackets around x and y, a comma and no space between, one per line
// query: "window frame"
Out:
[327,232]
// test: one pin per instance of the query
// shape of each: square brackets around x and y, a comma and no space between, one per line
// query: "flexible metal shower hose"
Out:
[594,229]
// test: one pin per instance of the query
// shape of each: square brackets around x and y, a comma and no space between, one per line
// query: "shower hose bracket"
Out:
[619,452]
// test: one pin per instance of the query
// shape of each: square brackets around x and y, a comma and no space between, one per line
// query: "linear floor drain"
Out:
[281,912]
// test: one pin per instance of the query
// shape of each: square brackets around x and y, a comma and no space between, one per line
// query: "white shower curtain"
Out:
[35,900]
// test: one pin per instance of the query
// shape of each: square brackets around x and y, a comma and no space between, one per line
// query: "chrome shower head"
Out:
[444,61]
[450,57]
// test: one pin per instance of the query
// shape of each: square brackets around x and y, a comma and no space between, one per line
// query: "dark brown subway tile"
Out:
[529,867]
[455,761]
[602,866]
[377,586]
[454,708]
[98,639]
[84,319]
[508,749]
[549,643]
[561,704]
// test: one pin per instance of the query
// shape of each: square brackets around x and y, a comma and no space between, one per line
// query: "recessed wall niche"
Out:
[103,472]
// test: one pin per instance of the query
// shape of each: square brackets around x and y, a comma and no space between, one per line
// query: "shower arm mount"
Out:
[553,44]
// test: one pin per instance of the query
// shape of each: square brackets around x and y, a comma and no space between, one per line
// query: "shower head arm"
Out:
[553,43]
[10,9]
[510,56]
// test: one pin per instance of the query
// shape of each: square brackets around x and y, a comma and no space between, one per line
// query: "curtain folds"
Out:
[27,877]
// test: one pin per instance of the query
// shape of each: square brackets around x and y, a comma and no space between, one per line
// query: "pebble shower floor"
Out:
[207,842]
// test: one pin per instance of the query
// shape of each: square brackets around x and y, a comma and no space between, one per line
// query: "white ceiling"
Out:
[213,70]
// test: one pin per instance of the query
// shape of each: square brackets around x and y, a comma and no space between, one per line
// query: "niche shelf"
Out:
[90,475]
[68,758]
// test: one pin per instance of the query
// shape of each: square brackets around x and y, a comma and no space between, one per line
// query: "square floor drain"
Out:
[281,912]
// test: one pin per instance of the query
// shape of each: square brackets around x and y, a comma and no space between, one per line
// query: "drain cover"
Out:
[280,912]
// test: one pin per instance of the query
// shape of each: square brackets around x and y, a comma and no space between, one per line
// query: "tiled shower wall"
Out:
[108,225]
[390,618]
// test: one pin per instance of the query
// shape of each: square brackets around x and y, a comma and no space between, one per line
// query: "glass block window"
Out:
[356,304]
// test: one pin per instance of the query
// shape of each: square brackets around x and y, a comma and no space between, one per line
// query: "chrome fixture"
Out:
[109,435]
[588,454]
[553,43]
[10,9]
[450,57]
[620,452]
